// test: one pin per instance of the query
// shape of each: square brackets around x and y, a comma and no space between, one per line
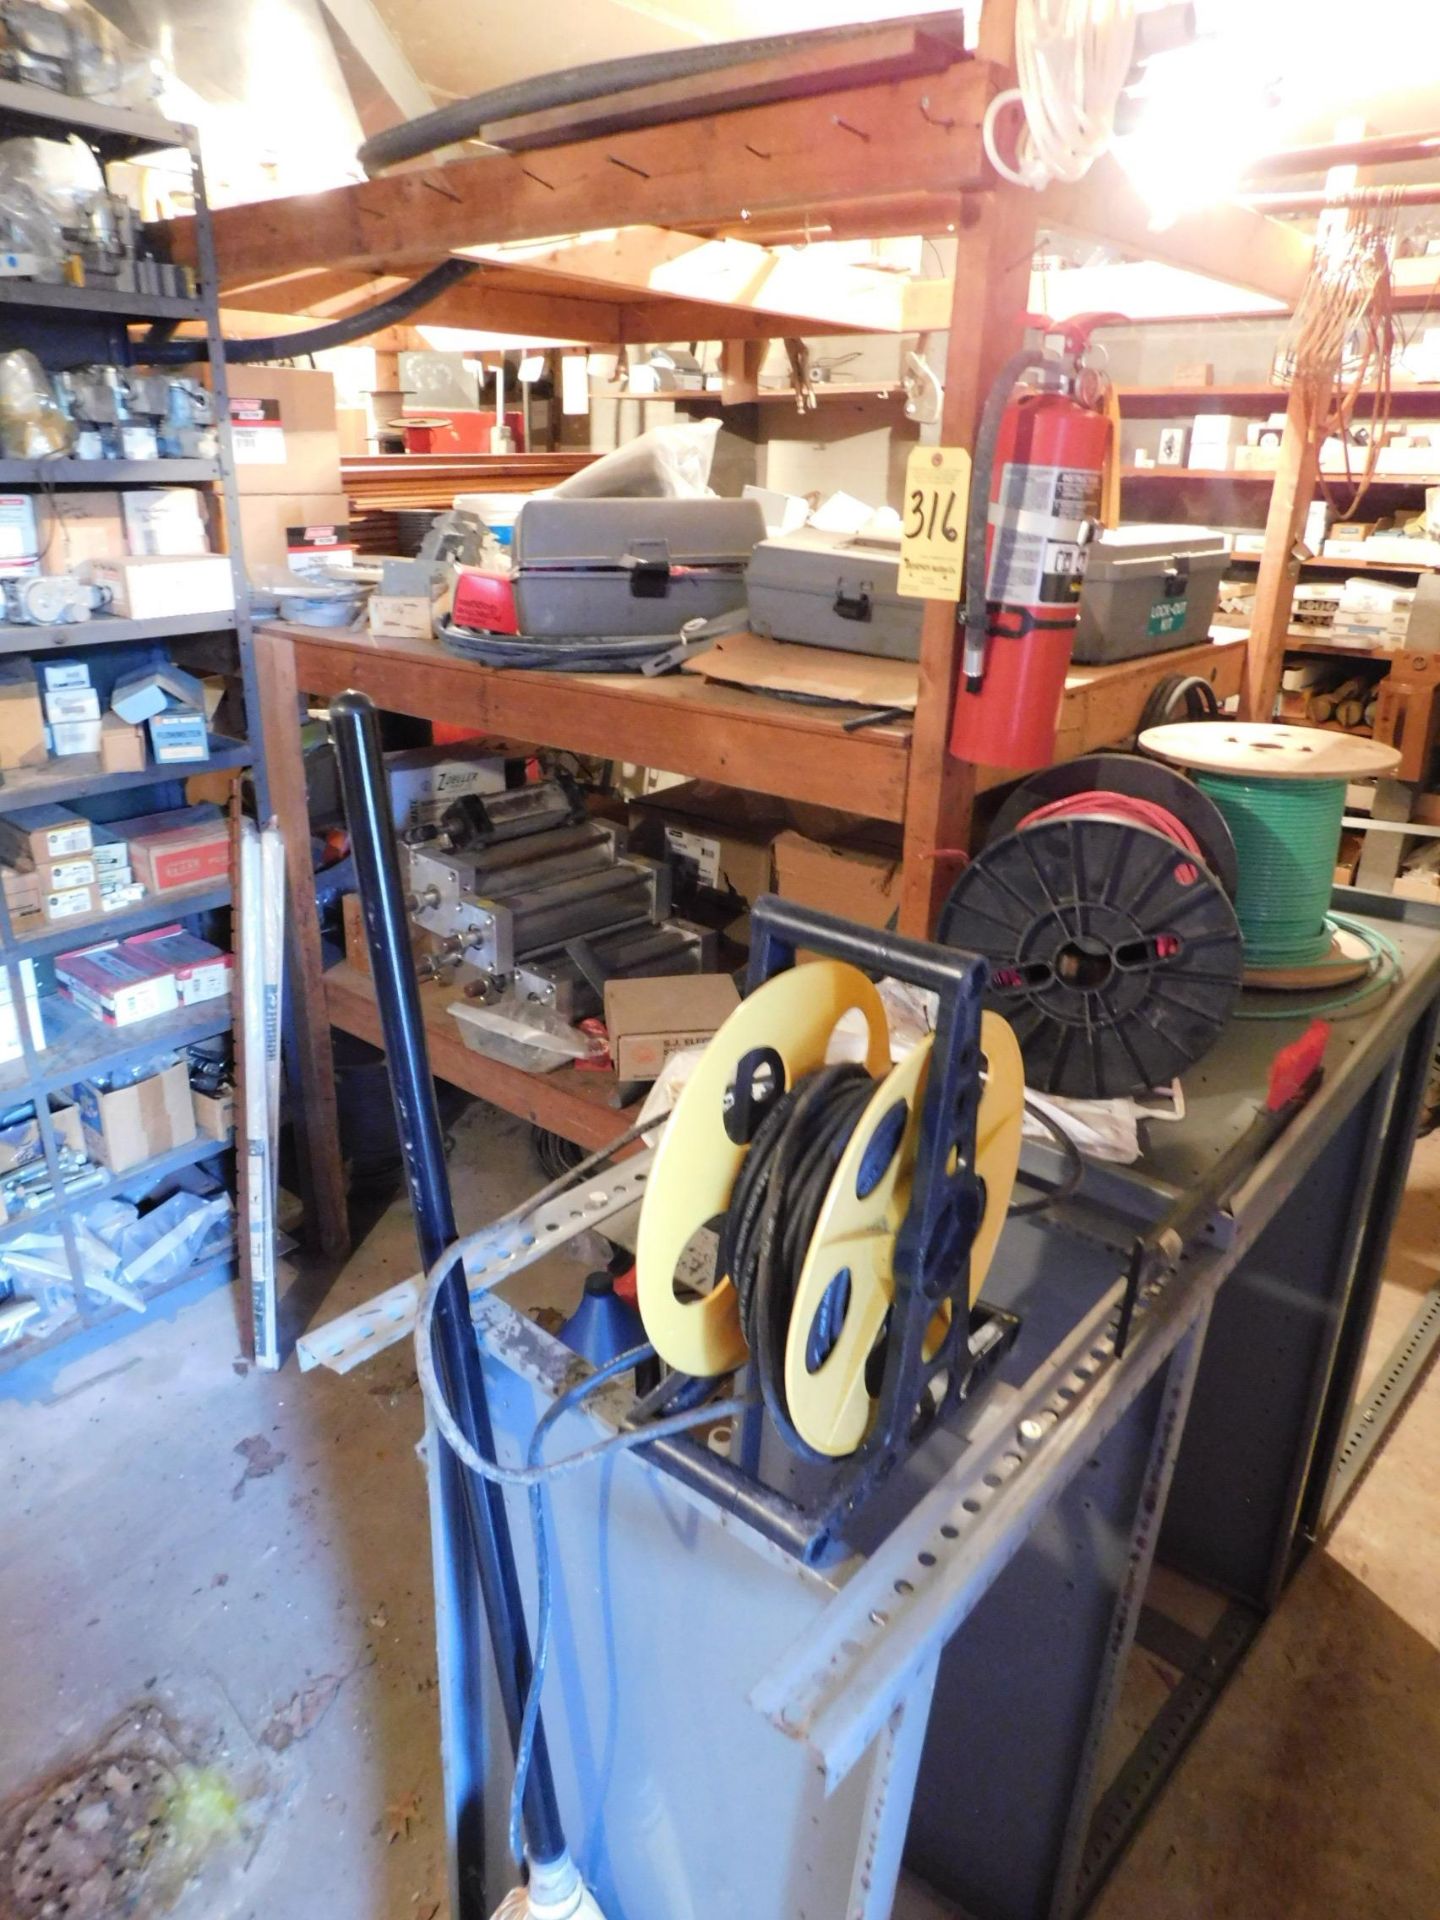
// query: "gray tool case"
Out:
[601,568]
[834,590]
[1148,589]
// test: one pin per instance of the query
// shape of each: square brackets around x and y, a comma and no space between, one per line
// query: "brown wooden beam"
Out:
[1317,199]
[907,136]
[1290,499]
[1226,243]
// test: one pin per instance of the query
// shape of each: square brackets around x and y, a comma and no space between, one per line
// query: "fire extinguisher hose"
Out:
[977,611]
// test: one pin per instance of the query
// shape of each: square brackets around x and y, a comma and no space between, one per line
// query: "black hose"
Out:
[465,119]
[392,311]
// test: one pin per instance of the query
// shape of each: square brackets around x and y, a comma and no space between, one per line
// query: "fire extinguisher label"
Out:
[1040,523]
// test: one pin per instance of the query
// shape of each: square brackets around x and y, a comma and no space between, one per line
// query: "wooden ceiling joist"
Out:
[797,285]
[917,135]
[1223,242]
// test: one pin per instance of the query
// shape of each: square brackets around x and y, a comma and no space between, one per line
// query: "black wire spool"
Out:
[1142,779]
[1115,954]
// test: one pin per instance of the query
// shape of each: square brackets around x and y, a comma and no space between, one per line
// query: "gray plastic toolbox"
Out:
[834,590]
[612,567]
[1148,589]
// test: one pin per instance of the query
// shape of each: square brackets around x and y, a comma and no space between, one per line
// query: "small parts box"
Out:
[650,1019]
[834,590]
[125,1126]
[599,568]
[1148,589]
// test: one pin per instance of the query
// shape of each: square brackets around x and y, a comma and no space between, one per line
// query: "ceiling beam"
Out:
[1226,243]
[797,285]
[906,136]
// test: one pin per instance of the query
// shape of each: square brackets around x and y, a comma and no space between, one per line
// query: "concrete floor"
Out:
[250,1551]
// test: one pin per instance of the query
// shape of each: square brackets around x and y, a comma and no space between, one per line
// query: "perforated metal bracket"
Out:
[511,1245]
[835,1689]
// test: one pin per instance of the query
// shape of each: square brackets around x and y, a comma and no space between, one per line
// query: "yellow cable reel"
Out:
[696,1163]
[853,1245]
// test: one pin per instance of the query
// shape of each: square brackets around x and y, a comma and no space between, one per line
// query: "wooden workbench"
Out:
[681,723]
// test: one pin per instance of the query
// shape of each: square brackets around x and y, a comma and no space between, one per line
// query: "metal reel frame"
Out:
[947,1203]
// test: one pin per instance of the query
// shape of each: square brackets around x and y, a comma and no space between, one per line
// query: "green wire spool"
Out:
[1281,791]
[1286,833]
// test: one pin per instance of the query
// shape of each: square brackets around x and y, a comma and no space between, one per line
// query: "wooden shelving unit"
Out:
[65,326]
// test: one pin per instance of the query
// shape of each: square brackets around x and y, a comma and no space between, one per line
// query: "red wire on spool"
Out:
[1140,813]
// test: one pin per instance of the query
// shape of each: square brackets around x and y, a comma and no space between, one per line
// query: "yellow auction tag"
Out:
[932,523]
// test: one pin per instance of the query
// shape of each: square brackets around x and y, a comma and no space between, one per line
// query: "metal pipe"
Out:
[1318,199]
[1376,150]
[467,119]
[474,1508]
[392,311]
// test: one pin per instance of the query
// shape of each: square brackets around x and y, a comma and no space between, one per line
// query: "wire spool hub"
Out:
[1115,953]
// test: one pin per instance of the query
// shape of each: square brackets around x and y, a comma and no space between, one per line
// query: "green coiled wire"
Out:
[1286,834]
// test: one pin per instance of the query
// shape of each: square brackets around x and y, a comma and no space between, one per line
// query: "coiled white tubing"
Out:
[1072,59]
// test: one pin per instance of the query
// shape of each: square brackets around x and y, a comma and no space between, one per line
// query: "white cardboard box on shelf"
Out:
[165,520]
[69,737]
[157,587]
[65,704]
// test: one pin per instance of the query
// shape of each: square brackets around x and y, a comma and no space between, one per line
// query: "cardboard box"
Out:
[108,850]
[201,971]
[22,718]
[424,780]
[57,675]
[39,836]
[155,587]
[122,747]
[75,736]
[77,871]
[404,617]
[283,430]
[164,520]
[64,705]
[182,848]
[277,529]
[648,1020]
[178,734]
[214,1113]
[80,526]
[125,1126]
[154,690]
[69,903]
[856,879]
[118,984]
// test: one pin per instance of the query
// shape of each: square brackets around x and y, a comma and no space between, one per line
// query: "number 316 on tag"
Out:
[932,523]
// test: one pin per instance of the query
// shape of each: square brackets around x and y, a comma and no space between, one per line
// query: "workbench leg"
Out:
[314,1113]
[992,285]
[1027,1688]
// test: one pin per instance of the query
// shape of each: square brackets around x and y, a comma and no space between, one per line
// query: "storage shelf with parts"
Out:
[77,330]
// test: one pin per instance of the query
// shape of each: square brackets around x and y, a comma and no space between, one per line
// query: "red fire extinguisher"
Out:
[1039,464]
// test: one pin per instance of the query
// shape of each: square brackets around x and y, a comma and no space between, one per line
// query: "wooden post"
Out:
[992,284]
[313,1105]
[1290,499]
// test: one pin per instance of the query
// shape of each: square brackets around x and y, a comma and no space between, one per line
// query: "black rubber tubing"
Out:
[394,309]
[465,119]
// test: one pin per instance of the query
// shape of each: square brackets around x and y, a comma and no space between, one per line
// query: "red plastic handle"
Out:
[1295,1067]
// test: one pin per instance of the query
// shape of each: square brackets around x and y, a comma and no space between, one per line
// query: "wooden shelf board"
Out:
[1244,478]
[568,1102]
[680,722]
[1160,402]
[1328,563]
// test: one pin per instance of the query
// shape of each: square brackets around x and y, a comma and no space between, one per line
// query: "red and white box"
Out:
[182,848]
[116,985]
[202,971]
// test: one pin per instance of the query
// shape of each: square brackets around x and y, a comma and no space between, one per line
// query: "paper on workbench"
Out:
[772,666]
